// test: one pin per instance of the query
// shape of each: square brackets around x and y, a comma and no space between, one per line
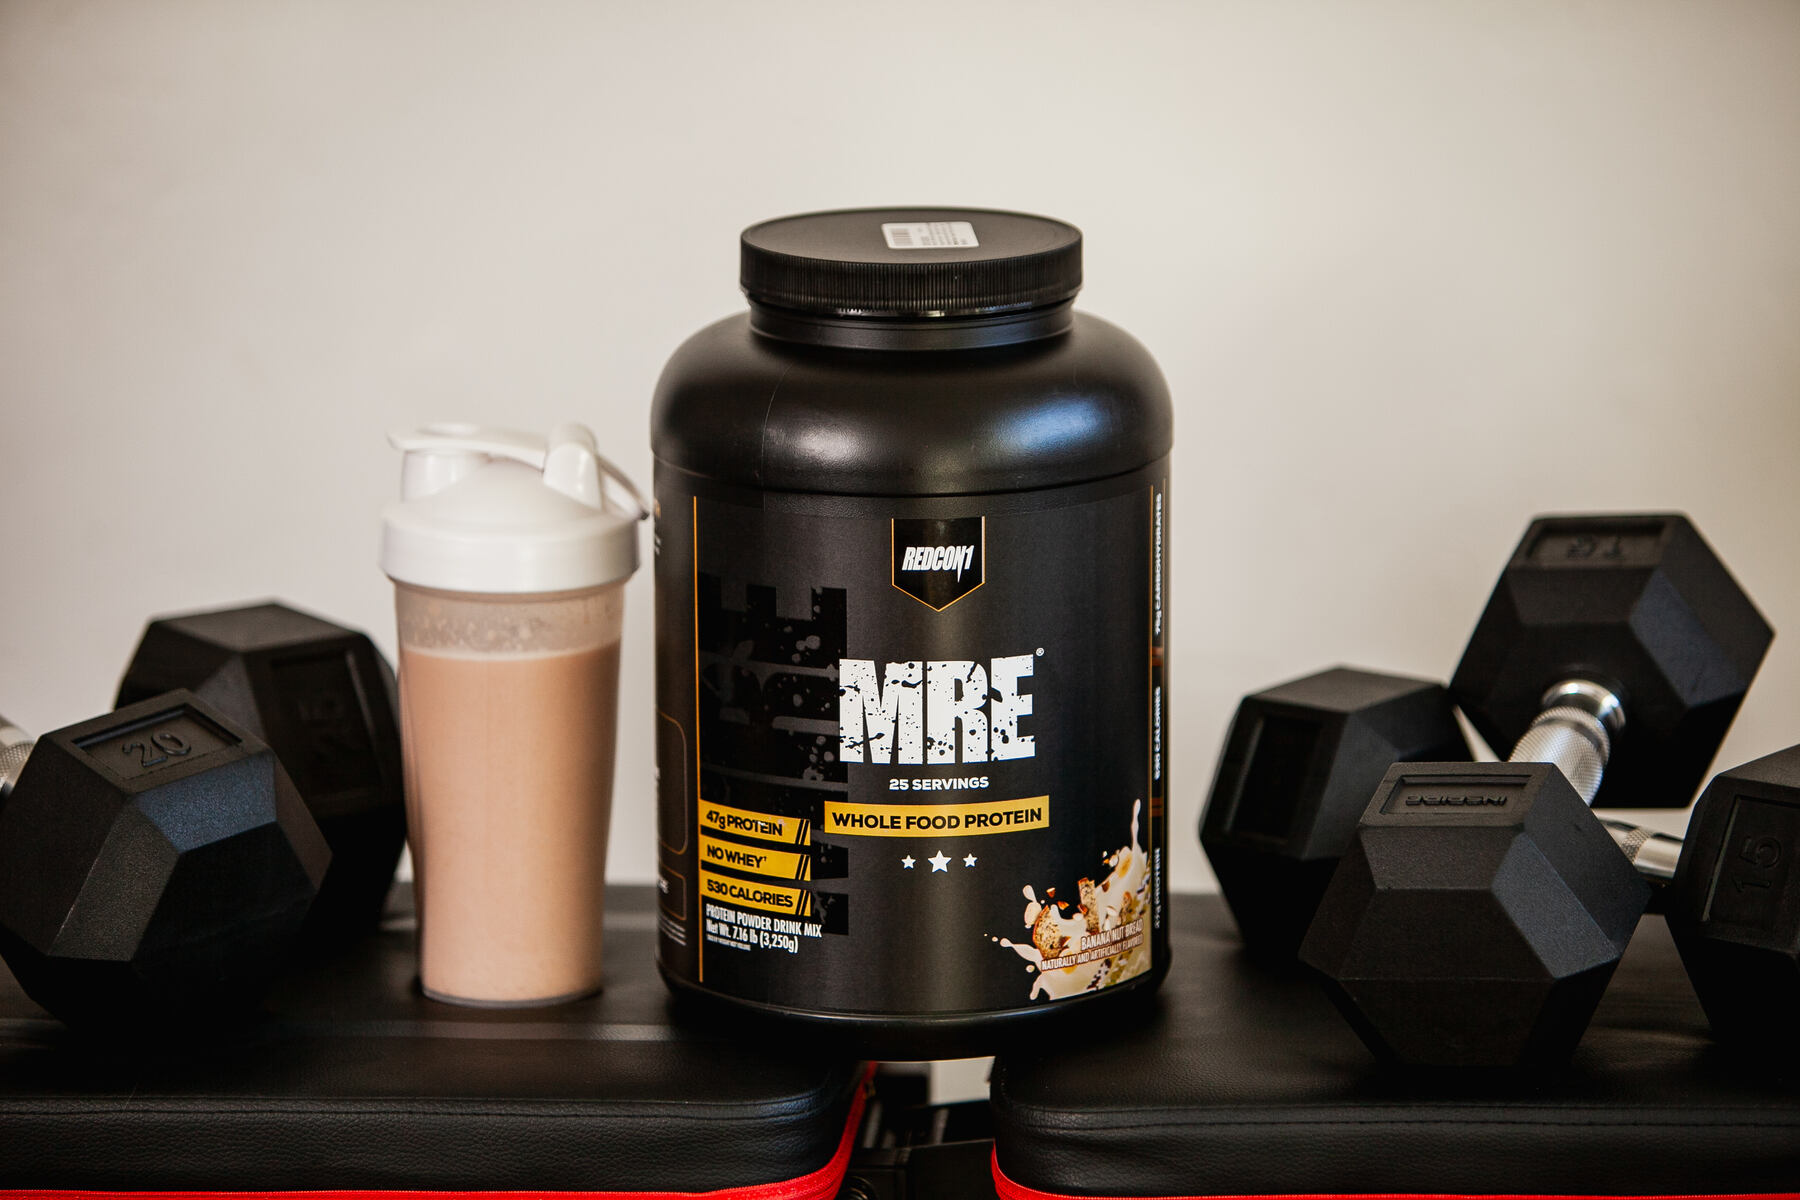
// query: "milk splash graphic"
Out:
[1094,943]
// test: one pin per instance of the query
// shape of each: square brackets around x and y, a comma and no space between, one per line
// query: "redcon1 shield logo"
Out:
[938,562]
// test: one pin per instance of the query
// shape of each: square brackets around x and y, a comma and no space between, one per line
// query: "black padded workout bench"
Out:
[1246,1082]
[353,1082]
[1239,1082]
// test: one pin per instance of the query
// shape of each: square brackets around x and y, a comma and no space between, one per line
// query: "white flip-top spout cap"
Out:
[501,512]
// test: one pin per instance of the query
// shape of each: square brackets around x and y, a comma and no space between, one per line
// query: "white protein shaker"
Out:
[509,554]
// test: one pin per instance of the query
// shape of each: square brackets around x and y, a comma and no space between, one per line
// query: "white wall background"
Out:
[1415,270]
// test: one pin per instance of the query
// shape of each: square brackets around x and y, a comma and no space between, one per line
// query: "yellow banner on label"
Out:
[767,826]
[914,820]
[795,902]
[781,864]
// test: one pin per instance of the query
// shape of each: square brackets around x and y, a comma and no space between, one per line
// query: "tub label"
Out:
[910,755]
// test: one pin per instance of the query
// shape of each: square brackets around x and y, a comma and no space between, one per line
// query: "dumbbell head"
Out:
[1476,918]
[1639,604]
[1734,907]
[1296,772]
[323,697]
[156,865]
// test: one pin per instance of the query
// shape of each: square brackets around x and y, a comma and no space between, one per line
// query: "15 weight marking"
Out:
[1762,852]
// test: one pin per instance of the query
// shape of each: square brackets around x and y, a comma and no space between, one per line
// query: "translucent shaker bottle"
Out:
[509,555]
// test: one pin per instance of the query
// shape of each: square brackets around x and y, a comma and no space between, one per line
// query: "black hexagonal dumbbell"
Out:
[1482,908]
[1731,893]
[156,865]
[1296,772]
[323,697]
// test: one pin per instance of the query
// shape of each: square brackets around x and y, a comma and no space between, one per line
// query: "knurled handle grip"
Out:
[15,748]
[1654,854]
[1574,731]
[1572,740]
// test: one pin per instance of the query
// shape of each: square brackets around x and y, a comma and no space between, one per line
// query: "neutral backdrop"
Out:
[1415,271]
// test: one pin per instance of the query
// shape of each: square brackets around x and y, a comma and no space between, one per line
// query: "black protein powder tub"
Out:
[911,519]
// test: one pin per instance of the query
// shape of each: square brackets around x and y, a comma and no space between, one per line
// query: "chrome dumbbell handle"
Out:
[1574,731]
[15,747]
[1654,854]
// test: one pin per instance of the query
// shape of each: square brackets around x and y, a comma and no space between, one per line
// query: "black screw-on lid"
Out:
[911,262]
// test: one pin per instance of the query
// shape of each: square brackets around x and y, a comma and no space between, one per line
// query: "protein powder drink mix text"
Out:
[911,518]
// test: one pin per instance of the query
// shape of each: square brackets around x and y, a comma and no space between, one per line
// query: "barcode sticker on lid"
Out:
[928,235]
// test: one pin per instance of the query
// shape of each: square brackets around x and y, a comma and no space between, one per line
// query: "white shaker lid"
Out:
[491,510]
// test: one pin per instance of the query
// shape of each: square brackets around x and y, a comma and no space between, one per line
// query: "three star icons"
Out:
[939,862]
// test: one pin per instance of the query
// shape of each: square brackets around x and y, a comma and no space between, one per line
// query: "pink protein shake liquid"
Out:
[509,764]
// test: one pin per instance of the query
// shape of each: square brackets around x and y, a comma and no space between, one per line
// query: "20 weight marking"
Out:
[171,743]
